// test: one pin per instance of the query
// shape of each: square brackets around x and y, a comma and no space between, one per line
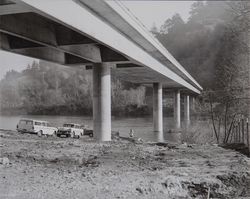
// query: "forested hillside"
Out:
[45,88]
[196,43]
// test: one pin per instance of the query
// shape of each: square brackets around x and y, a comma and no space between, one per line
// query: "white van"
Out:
[36,126]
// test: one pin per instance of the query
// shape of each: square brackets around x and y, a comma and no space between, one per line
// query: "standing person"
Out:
[131,133]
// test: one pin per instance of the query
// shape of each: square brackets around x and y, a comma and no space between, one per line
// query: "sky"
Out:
[149,12]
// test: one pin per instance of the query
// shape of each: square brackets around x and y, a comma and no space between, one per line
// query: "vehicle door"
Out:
[38,126]
[49,130]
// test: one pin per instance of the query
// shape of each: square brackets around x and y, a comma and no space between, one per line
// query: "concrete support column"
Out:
[186,110]
[157,107]
[177,109]
[102,102]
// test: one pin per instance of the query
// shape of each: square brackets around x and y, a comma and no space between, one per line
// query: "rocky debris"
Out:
[136,140]
[164,144]
[174,187]
[91,161]
[4,161]
[115,135]
[186,145]
[139,190]
[237,183]
[198,189]
[63,168]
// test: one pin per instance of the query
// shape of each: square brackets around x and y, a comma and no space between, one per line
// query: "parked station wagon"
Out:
[36,126]
[70,130]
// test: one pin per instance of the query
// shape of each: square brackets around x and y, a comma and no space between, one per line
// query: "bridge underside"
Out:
[24,34]
[42,30]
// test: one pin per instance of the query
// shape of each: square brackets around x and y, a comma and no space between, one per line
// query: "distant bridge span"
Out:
[99,36]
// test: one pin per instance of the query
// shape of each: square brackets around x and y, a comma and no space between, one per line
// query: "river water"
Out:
[142,126]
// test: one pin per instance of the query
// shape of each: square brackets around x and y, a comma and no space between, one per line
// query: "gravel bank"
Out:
[40,167]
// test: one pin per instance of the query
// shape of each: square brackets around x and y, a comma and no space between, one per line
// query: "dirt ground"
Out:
[39,167]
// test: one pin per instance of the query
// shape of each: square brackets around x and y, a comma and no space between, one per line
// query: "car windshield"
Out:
[38,123]
[45,124]
[68,125]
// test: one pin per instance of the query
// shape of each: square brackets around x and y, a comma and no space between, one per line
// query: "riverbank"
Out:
[69,168]
[65,110]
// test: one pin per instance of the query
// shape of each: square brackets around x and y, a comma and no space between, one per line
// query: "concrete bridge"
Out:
[102,37]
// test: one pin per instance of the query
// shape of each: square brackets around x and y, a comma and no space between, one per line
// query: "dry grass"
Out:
[199,132]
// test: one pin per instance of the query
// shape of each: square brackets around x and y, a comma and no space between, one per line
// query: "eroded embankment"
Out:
[69,168]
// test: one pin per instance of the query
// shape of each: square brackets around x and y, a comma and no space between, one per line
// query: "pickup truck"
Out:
[70,130]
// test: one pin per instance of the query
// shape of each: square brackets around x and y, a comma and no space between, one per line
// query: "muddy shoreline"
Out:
[51,167]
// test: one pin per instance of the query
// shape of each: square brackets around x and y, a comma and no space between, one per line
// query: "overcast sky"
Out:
[148,12]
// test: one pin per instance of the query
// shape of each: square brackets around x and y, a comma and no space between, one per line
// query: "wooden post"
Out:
[248,141]
[233,137]
[236,127]
[236,134]
[242,129]
[239,140]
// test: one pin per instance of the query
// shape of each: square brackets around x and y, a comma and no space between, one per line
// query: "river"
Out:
[142,126]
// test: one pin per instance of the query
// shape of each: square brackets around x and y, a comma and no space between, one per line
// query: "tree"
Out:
[173,25]
[196,9]
[232,88]
[154,29]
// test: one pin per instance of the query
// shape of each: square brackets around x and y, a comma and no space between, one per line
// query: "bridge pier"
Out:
[157,107]
[102,102]
[177,109]
[186,111]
